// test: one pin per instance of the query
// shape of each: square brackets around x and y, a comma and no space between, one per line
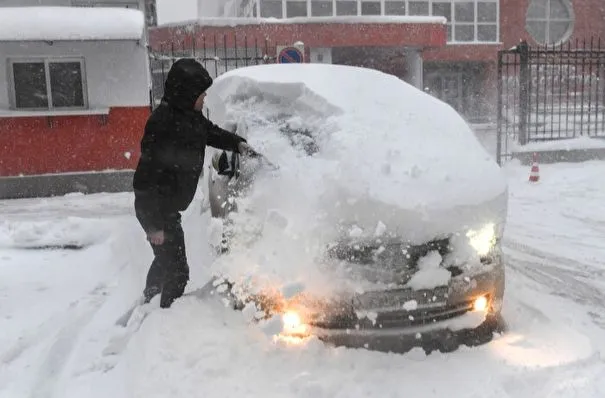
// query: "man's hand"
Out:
[156,238]
[245,149]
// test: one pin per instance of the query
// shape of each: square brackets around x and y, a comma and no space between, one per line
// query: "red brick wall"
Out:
[312,34]
[40,145]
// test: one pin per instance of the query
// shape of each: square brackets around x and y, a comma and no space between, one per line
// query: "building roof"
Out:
[70,23]
[353,19]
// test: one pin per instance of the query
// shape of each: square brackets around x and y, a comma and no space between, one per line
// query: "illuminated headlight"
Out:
[293,325]
[483,240]
[481,304]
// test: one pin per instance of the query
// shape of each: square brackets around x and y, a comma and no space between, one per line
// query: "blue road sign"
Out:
[290,55]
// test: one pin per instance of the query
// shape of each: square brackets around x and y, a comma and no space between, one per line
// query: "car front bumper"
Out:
[444,320]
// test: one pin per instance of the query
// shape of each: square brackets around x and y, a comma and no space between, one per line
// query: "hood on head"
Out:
[186,81]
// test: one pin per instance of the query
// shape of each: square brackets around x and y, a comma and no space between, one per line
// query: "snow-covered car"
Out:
[380,227]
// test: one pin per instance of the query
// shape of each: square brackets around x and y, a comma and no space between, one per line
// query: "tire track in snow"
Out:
[564,262]
[80,314]
[553,272]
[595,224]
[563,283]
[38,335]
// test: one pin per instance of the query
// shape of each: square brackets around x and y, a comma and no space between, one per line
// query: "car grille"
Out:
[397,261]
[388,261]
[386,309]
[394,319]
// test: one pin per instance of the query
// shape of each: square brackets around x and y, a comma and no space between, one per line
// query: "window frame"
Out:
[47,61]
[451,23]
[475,24]
[548,19]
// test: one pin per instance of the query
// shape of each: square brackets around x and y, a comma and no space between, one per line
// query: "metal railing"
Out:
[548,93]
[216,53]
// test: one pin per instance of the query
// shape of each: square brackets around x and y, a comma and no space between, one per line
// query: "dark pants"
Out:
[169,272]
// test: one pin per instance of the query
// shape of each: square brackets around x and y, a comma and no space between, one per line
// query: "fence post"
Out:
[524,90]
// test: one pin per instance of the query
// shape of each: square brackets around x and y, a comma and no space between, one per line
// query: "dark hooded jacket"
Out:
[173,147]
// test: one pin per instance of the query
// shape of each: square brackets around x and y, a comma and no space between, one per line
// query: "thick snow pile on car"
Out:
[369,167]
[363,146]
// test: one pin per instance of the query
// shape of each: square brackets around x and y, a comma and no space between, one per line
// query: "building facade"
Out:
[461,71]
[74,97]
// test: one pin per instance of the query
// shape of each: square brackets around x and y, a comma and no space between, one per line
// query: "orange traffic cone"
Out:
[534,175]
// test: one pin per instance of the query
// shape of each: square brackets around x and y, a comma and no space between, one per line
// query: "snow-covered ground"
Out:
[58,308]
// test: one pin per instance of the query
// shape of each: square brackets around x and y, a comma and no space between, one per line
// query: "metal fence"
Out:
[218,54]
[548,93]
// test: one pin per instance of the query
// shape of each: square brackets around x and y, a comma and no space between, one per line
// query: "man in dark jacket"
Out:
[166,178]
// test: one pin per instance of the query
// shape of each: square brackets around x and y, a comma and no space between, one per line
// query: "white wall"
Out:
[116,71]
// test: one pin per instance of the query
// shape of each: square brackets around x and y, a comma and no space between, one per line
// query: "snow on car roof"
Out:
[70,23]
[394,145]
[384,113]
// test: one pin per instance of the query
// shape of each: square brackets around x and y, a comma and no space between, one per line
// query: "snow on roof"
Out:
[70,23]
[394,143]
[376,19]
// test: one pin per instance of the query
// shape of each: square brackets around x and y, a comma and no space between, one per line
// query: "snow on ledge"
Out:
[70,23]
[54,112]
[562,145]
[371,19]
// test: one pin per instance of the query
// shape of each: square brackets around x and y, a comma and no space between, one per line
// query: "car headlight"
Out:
[483,240]
[293,324]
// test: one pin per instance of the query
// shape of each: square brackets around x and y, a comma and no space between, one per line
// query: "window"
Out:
[418,7]
[487,21]
[394,7]
[346,7]
[48,84]
[549,21]
[370,7]
[464,21]
[321,8]
[271,9]
[468,21]
[296,8]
